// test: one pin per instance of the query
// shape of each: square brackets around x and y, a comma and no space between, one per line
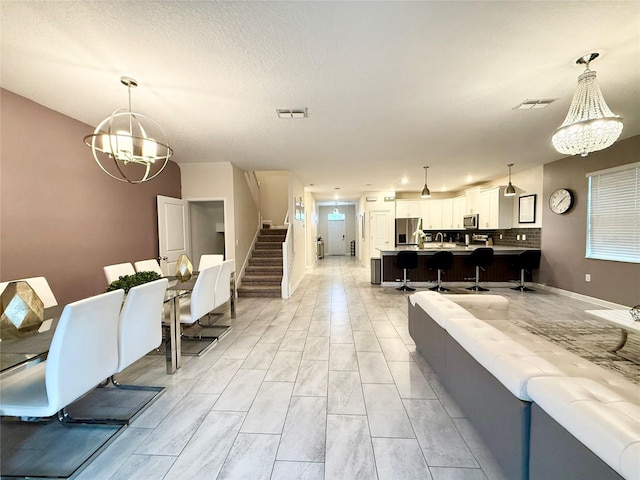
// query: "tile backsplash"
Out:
[510,238]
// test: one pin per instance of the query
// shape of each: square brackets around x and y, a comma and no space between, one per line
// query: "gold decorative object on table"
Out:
[184,268]
[21,311]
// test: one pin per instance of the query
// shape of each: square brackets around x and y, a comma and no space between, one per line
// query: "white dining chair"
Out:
[201,302]
[223,283]
[208,260]
[40,286]
[114,272]
[140,329]
[222,291]
[83,353]
[150,265]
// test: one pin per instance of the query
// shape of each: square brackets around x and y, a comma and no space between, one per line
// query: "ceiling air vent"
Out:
[292,112]
[533,104]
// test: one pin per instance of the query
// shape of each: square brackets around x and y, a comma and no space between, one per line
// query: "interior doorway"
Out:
[207,228]
[192,228]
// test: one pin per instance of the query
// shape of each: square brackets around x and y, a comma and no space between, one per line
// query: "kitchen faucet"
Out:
[441,239]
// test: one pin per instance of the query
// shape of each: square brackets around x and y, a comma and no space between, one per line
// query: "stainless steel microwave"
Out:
[470,221]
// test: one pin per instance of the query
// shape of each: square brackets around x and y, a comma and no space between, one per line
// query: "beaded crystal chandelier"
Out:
[590,125]
[129,146]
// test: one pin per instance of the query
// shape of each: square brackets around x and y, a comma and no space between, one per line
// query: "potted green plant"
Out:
[127,282]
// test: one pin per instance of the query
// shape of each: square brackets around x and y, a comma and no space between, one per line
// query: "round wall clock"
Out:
[561,201]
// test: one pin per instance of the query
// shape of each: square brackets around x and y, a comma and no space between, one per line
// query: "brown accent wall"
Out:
[60,216]
[563,263]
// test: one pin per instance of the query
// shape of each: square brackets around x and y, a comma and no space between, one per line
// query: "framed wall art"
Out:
[527,209]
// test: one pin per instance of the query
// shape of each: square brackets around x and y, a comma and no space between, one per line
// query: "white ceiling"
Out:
[390,86]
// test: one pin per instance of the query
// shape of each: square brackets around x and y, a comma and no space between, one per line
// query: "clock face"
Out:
[561,201]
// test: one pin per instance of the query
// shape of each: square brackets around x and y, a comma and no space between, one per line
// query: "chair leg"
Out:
[439,287]
[66,419]
[477,287]
[404,286]
[522,287]
[125,386]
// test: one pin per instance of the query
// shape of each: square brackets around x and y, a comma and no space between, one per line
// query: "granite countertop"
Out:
[433,247]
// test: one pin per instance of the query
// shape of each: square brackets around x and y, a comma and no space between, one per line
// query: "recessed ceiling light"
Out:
[404,181]
[535,104]
[292,112]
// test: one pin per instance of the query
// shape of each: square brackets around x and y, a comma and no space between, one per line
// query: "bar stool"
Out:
[526,261]
[441,261]
[480,258]
[407,261]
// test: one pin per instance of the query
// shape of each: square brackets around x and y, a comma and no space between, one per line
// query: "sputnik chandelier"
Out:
[129,146]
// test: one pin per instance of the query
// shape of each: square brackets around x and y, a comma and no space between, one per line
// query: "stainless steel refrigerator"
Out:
[405,229]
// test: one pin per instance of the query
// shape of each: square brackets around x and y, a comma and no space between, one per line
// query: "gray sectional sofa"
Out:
[544,412]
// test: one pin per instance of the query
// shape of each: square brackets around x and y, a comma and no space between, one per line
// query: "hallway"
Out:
[326,385]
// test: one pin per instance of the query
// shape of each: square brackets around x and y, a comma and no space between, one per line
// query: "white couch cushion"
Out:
[511,363]
[439,307]
[604,421]
[484,307]
[569,363]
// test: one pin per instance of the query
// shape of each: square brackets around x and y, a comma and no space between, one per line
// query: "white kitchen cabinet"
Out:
[408,208]
[446,206]
[459,209]
[472,196]
[495,210]
[431,213]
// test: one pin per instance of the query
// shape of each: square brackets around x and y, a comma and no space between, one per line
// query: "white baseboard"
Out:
[584,298]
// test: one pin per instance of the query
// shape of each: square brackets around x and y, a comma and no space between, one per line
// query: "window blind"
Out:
[613,217]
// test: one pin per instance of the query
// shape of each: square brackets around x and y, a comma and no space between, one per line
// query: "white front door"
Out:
[336,237]
[380,232]
[174,232]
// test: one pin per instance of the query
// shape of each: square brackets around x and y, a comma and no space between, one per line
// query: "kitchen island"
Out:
[462,274]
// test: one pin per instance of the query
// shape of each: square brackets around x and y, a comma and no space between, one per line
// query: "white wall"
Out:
[223,181]
[349,212]
[362,239]
[212,181]
[311,221]
[296,190]
[274,189]
[205,217]
[246,214]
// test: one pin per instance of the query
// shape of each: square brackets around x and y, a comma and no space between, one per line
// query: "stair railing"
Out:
[254,186]
[287,259]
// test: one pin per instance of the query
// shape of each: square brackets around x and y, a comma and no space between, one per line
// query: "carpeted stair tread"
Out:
[272,291]
[262,279]
[271,261]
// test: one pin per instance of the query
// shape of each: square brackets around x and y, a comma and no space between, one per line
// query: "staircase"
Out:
[263,275]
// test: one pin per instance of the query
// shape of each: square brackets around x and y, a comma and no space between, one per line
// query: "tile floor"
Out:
[325,385]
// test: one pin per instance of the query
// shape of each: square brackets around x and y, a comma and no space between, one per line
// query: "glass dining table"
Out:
[20,352]
[17,352]
[177,290]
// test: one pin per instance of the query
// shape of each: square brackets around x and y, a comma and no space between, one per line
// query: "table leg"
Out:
[622,342]
[172,339]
